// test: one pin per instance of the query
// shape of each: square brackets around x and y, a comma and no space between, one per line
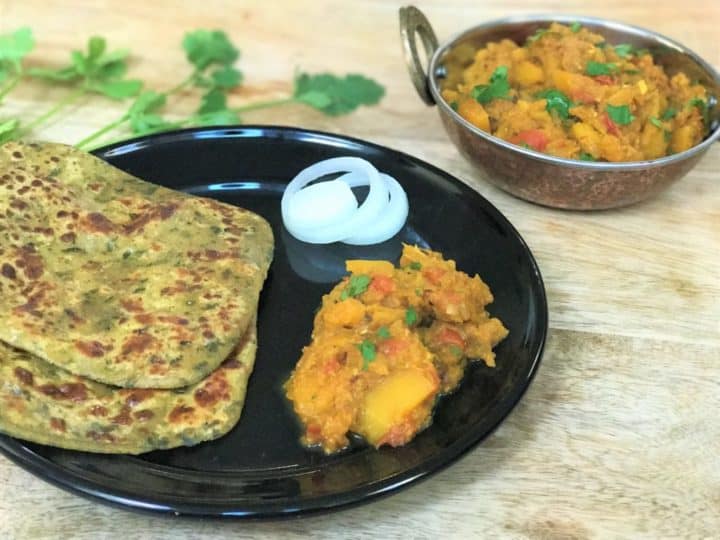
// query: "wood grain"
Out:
[617,436]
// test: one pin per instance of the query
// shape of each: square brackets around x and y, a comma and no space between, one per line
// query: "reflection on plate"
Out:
[260,469]
[326,263]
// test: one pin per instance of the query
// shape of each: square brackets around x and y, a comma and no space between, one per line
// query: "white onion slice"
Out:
[372,206]
[391,219]
[322,204]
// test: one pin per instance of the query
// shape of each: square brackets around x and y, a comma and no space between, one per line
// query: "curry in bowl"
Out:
[569,93]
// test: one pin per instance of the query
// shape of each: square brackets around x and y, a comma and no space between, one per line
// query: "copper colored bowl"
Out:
[538,177]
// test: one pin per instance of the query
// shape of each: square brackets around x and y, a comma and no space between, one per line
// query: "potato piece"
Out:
[654,105]
[682,138]
[449,95]
[587,136]
[357,266]
[384,315]
[474,113]
[578,87]
[519,54]
[425,258]
[345,313]
[526,74]
[652,141]
[391,402]
[624,96]
[611,148]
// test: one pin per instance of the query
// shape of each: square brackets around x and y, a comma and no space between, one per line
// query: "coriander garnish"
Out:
[497,88]
[411,316]
[594,69]
[357,285]
[619,114]
[368,352]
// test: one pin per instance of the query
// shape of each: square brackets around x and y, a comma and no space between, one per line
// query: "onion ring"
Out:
[391,219]
[372,206]
[321,204]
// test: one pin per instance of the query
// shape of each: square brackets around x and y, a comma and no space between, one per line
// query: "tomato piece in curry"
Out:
[386,343]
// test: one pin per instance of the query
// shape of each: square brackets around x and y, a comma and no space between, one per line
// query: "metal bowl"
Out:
[538,177]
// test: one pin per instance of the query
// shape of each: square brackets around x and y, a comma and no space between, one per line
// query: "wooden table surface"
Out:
[618,435]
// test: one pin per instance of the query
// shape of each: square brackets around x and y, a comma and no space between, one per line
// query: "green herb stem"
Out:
[181,123]
[124,118]
[102,131]
[8,87]
[183,84]
[264,104]
[170,125]
[52,111]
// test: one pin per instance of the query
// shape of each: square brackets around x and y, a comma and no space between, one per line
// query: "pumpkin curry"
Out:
[386,343]
[569,93]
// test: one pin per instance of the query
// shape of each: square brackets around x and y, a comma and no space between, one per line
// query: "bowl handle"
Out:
[413,22]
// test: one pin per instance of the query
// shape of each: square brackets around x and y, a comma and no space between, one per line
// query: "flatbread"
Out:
[44,404]
[119,280]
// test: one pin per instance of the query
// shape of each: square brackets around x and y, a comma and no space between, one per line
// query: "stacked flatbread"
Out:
[127,310]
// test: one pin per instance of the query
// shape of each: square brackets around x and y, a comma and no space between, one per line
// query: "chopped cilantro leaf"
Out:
[556,101]
[411,316]
[632,71]
[498,87]
[457,351]
[368,352]
[540,32]
[697,102]
[454,105]
[619,114]
[669,114]
[356,286]
[624,50]
[657,123]
[575,27]
[601,45]
[383,332]
[594,69]
[415,265]
[702,106]
[584,156]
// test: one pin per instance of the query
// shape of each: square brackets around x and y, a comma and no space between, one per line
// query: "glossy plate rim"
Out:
[16,451]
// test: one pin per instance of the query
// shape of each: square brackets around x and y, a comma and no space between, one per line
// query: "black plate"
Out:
[259,469]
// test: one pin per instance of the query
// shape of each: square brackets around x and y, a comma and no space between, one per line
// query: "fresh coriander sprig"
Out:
[212,57]
[204,49]
[92,72]
[327,93]
[14,47]
[336,95]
